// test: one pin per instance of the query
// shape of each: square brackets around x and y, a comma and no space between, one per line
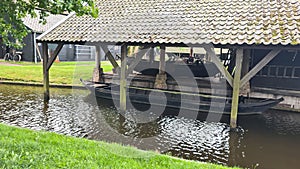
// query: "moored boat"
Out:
[182,100]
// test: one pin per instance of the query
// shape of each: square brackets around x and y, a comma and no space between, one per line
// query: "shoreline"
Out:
[86,150]
[21,83]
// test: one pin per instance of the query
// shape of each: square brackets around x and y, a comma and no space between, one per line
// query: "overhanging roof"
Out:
[37,27]
[233,22]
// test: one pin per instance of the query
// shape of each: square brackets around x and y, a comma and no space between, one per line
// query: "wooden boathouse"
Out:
[240,25]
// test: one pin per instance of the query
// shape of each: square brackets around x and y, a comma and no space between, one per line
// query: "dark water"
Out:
[269,141]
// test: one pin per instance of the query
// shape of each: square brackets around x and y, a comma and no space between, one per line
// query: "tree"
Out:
[13,30]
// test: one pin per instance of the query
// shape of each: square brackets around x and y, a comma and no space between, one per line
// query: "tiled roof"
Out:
[34,25]
[186,21]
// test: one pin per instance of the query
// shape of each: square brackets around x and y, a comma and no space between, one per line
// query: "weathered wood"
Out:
[162,60]
[97,70]
[54,55]
[123,78]
[45,72]
[211,53]
[136,61]
[236,88]
[245,90]
[151,54]
[259,66]
[98,57]
[110,56]
[191,52]
[161,77]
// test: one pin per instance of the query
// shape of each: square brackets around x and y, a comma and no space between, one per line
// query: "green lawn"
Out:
[23,148]
[60,73]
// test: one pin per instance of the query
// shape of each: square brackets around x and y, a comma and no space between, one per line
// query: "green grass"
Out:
[23,148]
[60,73]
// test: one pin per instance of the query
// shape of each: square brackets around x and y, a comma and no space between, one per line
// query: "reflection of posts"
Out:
[161,78]
[233,148]
[46,106]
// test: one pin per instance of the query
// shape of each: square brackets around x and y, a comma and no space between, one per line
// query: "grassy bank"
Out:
[60,73]
[23,148]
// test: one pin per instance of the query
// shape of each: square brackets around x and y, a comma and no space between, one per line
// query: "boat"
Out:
[178,68]
[181,100]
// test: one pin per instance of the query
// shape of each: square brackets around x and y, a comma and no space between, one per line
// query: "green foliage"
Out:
[12,28]
[23,148]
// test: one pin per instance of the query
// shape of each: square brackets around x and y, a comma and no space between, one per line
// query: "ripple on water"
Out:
[193,139]
[75,114]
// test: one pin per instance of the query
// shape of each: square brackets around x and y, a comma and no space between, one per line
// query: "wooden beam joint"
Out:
[54,55]
[110,57]
[219,65]
[273,53]
[138,58]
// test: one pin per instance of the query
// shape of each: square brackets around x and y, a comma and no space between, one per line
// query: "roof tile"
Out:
[35,25]
[185,21]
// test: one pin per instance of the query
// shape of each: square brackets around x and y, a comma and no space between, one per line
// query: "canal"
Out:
[267,141]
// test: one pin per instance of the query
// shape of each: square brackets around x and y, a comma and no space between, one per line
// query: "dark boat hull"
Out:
[205,104]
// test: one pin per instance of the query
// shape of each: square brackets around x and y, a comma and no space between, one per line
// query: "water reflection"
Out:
[269,141]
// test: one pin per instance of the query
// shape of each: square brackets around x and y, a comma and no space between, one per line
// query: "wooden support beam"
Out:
[191,52]
[97,70]
[45,72]
[151,54]
[245,90]
[98,57]
[138,58]
[236,88]
[54,55]
[110,56]
[212,55]
[161,77]
[259,66]
[162,60]
[123,78]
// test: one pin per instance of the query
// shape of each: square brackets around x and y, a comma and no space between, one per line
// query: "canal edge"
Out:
[41,84]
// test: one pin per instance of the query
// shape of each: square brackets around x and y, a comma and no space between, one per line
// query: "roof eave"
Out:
[55,26]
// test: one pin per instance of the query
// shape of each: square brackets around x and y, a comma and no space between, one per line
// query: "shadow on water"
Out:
[270,140]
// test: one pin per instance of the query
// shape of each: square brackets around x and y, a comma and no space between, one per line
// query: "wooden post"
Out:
[161,78]
[236,88]
[245,90]
[47,63]
[162,60]
[45,72]
[151,55]
[97,75]
[191,52]
[123,78]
